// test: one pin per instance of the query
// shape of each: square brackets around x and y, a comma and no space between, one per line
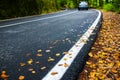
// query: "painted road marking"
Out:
[58,71]
[36,20]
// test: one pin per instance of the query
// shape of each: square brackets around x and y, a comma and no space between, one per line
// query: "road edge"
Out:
[64,72]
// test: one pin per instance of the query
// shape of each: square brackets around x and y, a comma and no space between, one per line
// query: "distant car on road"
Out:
[83,5]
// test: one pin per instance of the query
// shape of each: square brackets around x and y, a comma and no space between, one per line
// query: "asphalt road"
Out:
[31,46]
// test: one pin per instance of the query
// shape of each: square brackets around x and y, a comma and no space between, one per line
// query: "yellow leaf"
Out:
[88,63]
[118,63]
[21,77]
[39,55]
[66,65]
[33,72]
[101,76]
[90,54]
[57,54]
[22,64]
[100,61]
[30,61]
[92,74]
[111,64]
[50,59]
[65,59]
[3,75]
[92,66]
[39,50]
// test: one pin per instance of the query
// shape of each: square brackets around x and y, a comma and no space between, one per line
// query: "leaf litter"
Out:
[104,61]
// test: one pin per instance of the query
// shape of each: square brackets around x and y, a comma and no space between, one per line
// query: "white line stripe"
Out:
[37,19]
[72,53]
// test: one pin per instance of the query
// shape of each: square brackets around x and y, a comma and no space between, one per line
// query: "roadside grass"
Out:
[104,60]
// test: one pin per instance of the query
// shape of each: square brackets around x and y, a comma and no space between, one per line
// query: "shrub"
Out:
[109,7]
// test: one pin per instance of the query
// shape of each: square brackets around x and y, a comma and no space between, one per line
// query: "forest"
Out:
[18,8]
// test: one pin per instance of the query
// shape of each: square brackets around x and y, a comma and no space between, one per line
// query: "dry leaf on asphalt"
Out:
[50,59]
[38,55]
[30,61]
[21,77]
[42,68]
[22,64]
[39,50]
[4,75]
[58,54]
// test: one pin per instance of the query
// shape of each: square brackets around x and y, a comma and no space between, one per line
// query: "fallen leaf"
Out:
[42,68]
[65,53]
[22,64]
[60,64]
[38,55]
[33,72]
[47,51]
[30,61]
[58,54]
[21,77]
[66,65]
[65,59]
[89,63]
[50,59]
[54,73]
[30,69]
[90,54]
[92,74]
[114,70]
[39,50]
[4,75]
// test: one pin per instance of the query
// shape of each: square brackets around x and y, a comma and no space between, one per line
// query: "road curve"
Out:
[32,46]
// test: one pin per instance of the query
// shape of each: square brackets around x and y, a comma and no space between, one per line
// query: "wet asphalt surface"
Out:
[26,49]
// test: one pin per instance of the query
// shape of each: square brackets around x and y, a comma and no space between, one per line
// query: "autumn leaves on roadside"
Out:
[104,61]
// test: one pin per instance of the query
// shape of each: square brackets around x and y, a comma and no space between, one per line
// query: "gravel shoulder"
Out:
[104,57]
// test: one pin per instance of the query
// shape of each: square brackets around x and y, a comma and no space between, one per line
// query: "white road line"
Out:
[37,20]
[61,67]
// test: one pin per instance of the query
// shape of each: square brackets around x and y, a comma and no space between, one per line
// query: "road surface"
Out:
[31,46]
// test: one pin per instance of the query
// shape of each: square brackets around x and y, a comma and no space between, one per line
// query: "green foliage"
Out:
[70,4]
[109,7]
[112,7]
[17,8]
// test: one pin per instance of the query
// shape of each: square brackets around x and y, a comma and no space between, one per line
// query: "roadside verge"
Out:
[104,60]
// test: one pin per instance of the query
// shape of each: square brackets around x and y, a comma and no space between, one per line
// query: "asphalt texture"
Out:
[26,48]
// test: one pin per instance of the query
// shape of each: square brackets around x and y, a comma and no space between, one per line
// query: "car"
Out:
[83,5]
